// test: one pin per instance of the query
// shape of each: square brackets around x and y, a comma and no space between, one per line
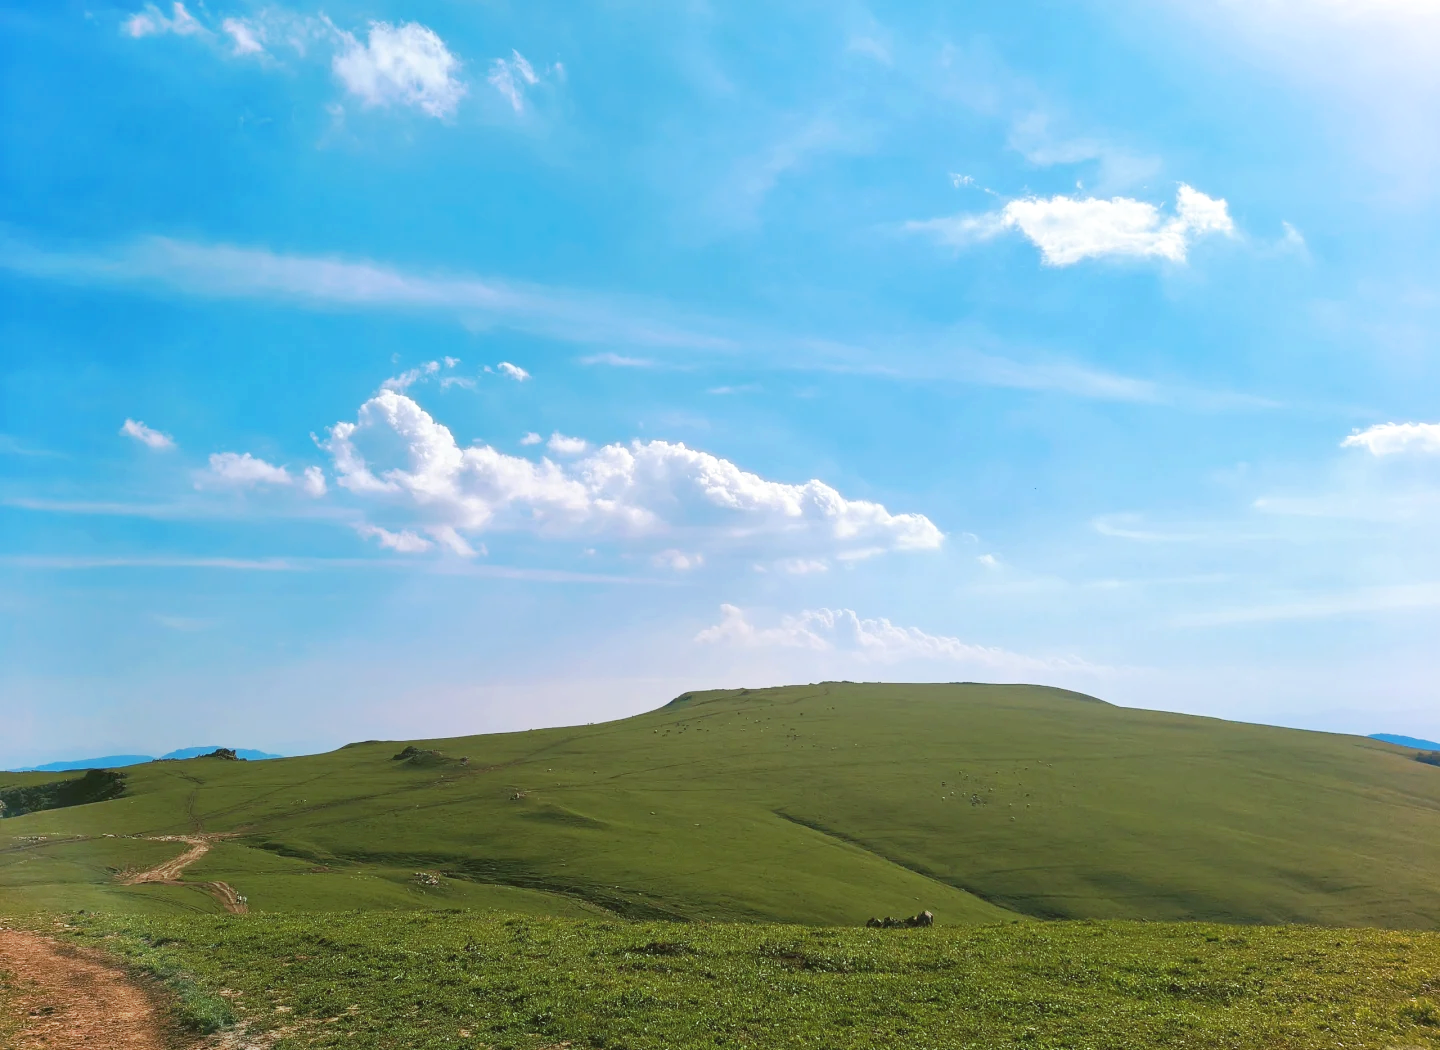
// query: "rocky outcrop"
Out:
[925,918]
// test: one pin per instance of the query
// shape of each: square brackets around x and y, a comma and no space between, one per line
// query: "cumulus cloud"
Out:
[398,457]
[875,640]
[566,446]
[531,438]
[407,64]
[1393,439]
[312,481]
[147,436]
[515,372]
[1068,230]
[243,469]
[405,541]
[151,21]
[511,76]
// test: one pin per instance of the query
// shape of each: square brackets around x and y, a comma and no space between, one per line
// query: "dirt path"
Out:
[171,869]
[169,873]
[70,999]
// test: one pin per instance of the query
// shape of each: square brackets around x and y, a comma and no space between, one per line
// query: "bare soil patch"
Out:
[66,998]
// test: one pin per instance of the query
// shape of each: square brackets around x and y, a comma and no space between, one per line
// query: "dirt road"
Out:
[171,869]
[169,872]
[71,999]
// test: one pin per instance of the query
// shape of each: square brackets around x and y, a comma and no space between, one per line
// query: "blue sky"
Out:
[408,369]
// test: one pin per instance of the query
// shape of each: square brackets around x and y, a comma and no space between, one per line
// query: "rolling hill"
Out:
[819,804]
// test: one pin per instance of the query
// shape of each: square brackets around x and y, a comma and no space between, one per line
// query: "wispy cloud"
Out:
[513,78]
[75,563]
[82,563]
[317,282]
[196,509]
[151,21]
[228,272]
[1134,527]
[1033,135]
[1362,601]
[617,361]
[12,446]
[147,436]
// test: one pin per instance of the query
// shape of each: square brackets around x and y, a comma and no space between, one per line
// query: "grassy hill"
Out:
[822,804]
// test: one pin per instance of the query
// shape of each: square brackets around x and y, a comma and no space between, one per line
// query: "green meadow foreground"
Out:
[699,876]
[433,980]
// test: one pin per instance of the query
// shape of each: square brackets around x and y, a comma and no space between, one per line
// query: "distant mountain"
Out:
[106,762]
[117,761]
[249,754]
[1406,741]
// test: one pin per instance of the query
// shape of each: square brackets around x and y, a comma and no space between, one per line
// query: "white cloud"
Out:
[405,380]
[1068,230]
[405,541]
[399,457]
[531,438]
[247,36]
[510,77]
[677,561]
[873,640]
[219,271]
[515,372]
[802,566]
[244,469]
[406,64]
[1392,439]
[617,361]
[452,541]
[989,561]
[147,436]
[735,628]
[312,480]
[451,362]
[960,231]
[1033,137]
[566,446]
[859,554]
[152,22]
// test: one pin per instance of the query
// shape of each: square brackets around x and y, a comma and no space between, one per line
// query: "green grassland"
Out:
[819,805]
[451,980]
